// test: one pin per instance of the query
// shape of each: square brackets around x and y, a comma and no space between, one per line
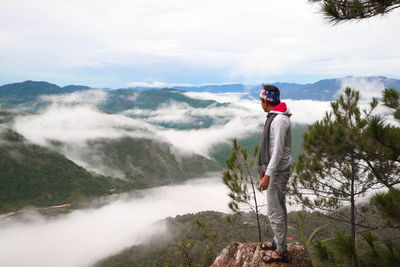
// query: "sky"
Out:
[125,43]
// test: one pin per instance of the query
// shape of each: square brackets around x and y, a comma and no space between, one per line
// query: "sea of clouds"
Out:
[83,237]
[74,120]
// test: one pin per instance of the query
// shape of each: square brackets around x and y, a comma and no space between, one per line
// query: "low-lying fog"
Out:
[83,237]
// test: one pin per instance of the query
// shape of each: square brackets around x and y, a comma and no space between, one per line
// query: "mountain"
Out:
[326,90]
[27,92]
[124,99]
[121,101]
[42,176]
[19,94]
[74,88]
[323,90]
[34,175]
[31,174]
[143,162]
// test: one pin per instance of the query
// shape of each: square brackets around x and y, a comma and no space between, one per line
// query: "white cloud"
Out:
[75,125]
[307,111]
[85,236]
[249,41]
[144,84]
[132,97]
[244,118]
[156,84]
[231,97]
[232,121]
[202,141]
[87,97]
[303,111]
[368,89]
[78,124]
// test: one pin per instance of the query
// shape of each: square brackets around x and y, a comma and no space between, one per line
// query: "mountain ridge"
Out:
[324,90]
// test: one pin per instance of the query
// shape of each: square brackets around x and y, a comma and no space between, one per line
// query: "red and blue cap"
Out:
[270,95]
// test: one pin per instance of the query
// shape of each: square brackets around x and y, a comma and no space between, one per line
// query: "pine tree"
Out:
[384,150]
[388,205]
[342,10]
[332,168]
[241,182]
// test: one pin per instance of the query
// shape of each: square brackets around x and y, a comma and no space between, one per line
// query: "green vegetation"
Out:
[344,10]
[347,154]
[33,175]
[124,99]
[38,176]
[146,162]
[200,237]
[242,182]
[197,122]
[344,155]
[26,94]
[373,247]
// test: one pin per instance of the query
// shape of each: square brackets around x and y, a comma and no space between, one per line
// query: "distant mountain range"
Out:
[324,90]
[15,94]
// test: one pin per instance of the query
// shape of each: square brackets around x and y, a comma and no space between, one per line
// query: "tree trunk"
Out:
[256,206]
[353,224]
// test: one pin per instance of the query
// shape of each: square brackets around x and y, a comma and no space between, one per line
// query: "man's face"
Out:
[264,105]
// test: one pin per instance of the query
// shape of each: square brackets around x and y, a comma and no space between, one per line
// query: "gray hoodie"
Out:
[280,142]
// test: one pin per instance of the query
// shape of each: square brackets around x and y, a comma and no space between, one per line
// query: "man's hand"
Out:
[261,173]
[264,182]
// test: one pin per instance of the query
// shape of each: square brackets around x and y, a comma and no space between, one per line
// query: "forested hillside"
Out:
[200,237]
[146,162]
[31,175]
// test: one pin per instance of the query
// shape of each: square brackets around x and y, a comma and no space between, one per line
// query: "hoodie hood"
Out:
[281,108]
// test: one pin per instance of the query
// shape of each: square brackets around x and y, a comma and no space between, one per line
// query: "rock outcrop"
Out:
[249,255]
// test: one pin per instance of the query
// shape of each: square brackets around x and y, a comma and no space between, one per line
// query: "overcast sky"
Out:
[118,43]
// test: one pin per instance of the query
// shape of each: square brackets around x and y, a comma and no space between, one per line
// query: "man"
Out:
[274,169]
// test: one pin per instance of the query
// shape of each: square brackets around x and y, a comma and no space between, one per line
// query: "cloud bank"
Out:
[85,236]
[74,120]
[367,88]
[78,124]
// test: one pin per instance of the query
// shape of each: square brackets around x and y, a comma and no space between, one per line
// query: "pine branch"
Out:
[336,11]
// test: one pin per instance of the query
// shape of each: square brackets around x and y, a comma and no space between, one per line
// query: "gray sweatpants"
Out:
[277,213]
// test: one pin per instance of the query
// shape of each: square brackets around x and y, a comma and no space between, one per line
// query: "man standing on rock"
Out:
[274,169]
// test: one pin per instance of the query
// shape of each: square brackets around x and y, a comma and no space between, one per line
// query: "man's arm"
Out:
[279,129]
